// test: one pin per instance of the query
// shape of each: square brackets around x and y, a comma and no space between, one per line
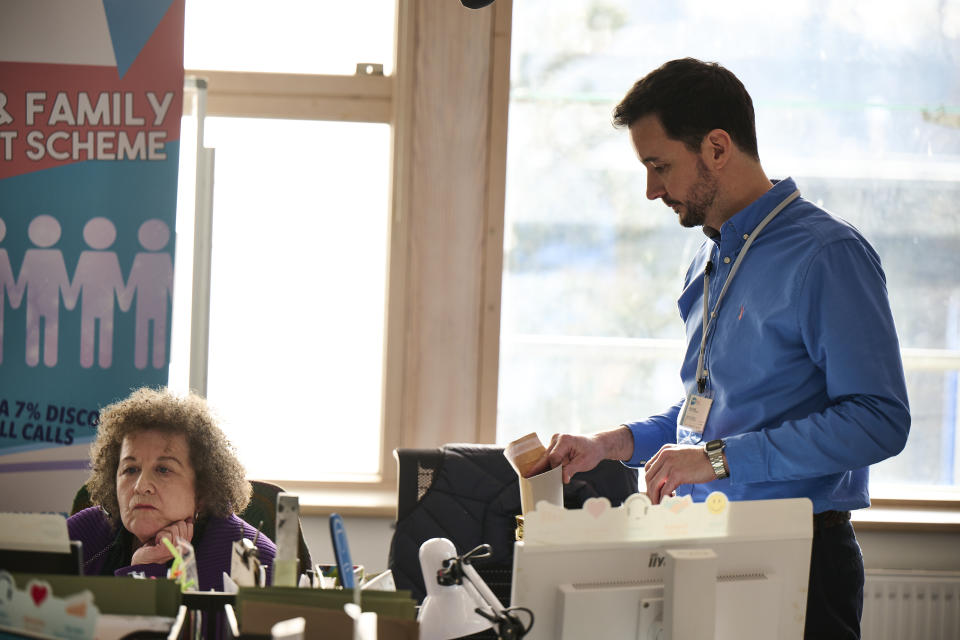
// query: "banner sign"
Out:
[91,96]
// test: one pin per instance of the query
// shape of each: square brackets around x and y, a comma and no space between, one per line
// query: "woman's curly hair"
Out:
[221,484]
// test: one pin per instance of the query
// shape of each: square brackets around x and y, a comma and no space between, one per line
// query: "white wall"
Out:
[369,540]
[910,550]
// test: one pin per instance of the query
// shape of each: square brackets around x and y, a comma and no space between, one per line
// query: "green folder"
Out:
[392,604]
[122,596]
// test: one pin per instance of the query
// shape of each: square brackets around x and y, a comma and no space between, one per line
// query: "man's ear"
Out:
[716,148]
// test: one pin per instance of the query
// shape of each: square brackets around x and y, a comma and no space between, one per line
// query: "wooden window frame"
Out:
[441,332]
[447,104]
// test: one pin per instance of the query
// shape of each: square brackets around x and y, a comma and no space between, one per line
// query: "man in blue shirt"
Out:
[793,378]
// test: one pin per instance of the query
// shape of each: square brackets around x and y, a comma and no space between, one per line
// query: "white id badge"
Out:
[694,412]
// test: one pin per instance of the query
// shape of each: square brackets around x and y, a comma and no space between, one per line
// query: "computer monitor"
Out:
[38,543]
[748,581]
[56,562]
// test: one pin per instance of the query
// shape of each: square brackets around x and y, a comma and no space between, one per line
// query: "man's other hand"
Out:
[673,465]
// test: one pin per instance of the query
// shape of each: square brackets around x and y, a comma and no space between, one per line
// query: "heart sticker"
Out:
[595,507]
[39,593]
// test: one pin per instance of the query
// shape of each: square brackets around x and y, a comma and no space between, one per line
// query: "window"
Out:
[297,291]
[293,36]
[299,232]
[858,101]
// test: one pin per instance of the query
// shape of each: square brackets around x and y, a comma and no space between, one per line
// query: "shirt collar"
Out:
[744,221]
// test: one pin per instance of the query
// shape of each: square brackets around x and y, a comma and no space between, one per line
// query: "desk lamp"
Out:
[459,603]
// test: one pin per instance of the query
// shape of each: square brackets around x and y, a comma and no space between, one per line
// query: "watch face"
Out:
[714,445]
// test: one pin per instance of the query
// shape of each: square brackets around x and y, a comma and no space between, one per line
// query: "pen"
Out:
[341,551]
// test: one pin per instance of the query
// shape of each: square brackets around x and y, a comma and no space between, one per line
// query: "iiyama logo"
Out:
[656,560]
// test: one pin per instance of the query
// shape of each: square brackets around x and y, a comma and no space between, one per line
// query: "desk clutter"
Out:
[81,607]
[333,601]
[104,607]
[470,494]
[591,549]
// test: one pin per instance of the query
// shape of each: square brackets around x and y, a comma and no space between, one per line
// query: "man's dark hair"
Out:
[691,98]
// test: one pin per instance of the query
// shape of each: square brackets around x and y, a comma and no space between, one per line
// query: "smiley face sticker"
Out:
[716,502]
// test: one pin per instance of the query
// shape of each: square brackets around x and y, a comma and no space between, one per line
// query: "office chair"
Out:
[469,494]
[261,509]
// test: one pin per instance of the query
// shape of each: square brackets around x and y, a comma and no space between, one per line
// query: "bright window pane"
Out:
[289,36]
[858,101]
[297,293]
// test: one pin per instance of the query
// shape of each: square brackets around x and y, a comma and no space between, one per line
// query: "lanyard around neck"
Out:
[708,317]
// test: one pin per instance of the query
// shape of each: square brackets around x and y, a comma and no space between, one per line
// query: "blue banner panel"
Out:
[89,153]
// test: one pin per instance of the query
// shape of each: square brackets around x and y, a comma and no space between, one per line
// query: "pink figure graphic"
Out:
[151,278]
[43,276]
[7,283]
[97,277]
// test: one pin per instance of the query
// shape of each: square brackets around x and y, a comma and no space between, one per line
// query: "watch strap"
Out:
[714,450]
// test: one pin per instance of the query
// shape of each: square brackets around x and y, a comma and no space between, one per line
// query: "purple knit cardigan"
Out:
[93,528]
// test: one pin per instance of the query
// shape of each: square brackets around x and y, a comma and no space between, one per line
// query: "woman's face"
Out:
[155,482]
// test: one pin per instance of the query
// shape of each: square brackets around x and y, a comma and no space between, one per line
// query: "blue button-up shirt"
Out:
[803,360]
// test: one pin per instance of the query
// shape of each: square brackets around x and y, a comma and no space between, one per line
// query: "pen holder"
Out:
[546,486]
[329,575]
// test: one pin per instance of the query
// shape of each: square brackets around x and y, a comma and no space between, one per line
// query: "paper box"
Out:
[546,486]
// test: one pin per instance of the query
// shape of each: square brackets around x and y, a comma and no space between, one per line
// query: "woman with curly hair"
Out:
[162,468]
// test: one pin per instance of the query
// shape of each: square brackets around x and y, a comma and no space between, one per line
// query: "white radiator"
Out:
[911,605]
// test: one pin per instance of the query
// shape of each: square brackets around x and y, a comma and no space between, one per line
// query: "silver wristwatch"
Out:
[714,450]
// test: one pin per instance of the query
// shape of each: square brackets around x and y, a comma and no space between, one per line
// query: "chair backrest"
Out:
[81,500]
[260,512]
[469,494]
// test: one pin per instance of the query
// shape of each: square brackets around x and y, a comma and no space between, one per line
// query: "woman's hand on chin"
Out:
[154,551]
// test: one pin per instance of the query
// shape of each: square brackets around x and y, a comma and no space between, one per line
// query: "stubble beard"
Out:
[703,194]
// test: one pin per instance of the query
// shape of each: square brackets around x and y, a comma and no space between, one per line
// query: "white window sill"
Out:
[899,515]
[364,502]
